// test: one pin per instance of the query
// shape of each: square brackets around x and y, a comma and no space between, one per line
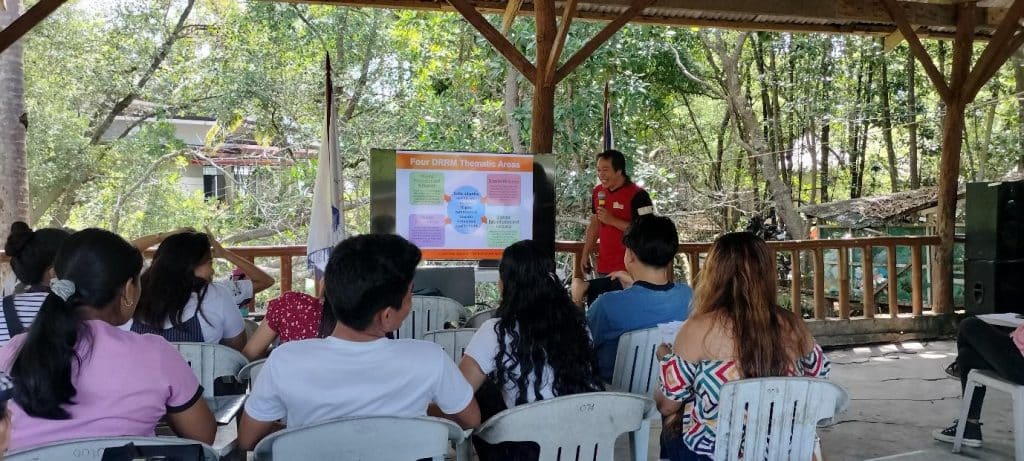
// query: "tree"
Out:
[14,180]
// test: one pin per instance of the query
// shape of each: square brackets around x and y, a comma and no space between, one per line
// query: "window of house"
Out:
[213,183]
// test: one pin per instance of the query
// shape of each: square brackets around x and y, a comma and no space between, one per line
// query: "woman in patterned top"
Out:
[725,339]
[293,316]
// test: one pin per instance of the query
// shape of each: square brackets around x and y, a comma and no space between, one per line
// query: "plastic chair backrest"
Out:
[429,313]
[250,371]
[774,418]
[453,341]
[211,361]
[381,437]
[92,449]
[579,426]
[636,370]
[479,318]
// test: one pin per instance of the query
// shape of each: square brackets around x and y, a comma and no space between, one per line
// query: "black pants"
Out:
[491,403]
[981,346]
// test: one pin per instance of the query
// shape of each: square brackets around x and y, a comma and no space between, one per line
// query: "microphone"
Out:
[600,198]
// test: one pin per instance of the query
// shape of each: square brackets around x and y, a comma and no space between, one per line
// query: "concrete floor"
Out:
[898,395]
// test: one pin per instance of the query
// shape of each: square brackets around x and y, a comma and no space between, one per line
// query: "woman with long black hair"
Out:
[77,375]
[181,302]
[31,253]
[537,347]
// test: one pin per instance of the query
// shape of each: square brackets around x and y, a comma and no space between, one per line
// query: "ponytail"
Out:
[92,266]
[42,369]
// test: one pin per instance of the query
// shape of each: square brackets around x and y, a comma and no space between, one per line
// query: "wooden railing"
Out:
[801,252]
[813,252]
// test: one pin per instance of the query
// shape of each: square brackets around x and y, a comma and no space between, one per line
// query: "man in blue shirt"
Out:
[651,243]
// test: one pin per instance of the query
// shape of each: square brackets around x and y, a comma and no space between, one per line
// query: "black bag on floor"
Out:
[130,452]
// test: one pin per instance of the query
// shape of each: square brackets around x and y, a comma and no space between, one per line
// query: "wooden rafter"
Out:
[900,19]
[963,50]
[511,11]
[500,43]
[606,33]
[556,50]
[999,49]
[27,21]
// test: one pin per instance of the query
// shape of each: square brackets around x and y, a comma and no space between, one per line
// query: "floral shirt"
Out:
[295,316]
[698,385]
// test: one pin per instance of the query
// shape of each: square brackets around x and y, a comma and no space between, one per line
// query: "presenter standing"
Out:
[611,207]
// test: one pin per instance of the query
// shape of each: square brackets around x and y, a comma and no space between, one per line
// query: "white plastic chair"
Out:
[453,341]
[579,426]
[250,371]
[774,418]
[636,370]
[211,361]
[384,438]
[479,318]
[429,313]
[992,381]
[92,449]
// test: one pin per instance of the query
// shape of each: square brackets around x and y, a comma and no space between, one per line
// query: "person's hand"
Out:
[587,266]
[604,216]
[578,290]
[663,350]
[217,250]
[623,278]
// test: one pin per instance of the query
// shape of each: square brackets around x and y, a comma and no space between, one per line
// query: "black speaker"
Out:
[994,286]
[995,220]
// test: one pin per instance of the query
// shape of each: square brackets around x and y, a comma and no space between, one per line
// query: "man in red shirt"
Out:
[611,214]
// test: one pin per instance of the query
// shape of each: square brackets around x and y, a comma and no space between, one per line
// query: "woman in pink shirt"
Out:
[981,346]
[76,375]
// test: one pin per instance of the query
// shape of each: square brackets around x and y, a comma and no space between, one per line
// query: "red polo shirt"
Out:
[610,250]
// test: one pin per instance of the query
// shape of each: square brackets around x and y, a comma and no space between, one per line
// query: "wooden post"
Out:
[844,283]
[893,286]
[867,279]
[819,284]
[795,298]
[915,279]
[542,128]
[694,260]
[286,273]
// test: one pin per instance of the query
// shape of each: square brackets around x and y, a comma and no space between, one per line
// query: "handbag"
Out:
[132,452]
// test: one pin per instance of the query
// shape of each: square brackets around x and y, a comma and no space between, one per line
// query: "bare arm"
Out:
[251,431]
[589,242]
[194,423]
[468,418]
[149,241]
[256,347]
[237,343]
[472,372]
[260,280]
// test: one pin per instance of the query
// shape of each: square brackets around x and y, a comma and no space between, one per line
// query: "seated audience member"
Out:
[736,331]
[357,371]
[293,316]
[535,319]
[77,375]
[31,254]
[981,346]
[6,393]
[181,302]
[652,297]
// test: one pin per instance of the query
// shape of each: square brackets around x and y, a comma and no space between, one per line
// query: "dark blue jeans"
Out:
[673,449]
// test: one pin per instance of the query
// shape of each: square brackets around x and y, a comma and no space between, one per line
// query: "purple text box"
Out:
[427,230]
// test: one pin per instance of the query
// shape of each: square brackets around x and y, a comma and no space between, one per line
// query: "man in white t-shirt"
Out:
[357,371]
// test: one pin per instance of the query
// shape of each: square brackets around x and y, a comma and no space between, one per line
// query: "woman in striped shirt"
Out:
[31,254]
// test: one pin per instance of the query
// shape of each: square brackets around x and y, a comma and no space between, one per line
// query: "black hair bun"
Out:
[20,235]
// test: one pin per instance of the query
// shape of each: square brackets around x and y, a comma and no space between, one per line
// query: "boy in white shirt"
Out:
[357,371]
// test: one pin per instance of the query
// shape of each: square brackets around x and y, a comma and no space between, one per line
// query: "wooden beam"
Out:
[891,41]
[500,43]
[963,50]
[511,11]
[27,21]
[896,13]
[989,61]
[594,43]
[542,125]
[556,50]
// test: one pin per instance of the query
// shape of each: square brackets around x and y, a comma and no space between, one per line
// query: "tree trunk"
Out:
[14,201]
[984,141]
[825,129]
[511,104]
[542,127]
[887,128]
[1018,87]
[915,175]
[755,143]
